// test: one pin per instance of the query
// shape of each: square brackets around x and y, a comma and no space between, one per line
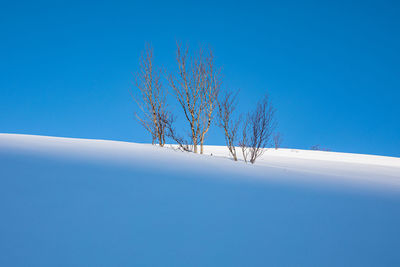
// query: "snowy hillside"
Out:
[77,202]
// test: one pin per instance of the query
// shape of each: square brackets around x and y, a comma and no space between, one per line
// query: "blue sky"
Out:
[332,68]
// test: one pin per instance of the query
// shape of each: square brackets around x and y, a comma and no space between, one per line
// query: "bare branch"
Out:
[171,133]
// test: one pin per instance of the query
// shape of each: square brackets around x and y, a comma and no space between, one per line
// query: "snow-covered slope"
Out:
[77,202]
[283,164]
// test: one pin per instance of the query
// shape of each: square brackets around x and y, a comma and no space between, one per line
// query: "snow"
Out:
[81,202]
[286,164]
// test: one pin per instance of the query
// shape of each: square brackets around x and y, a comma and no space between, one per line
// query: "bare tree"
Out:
[257,130]
[277,140]
[196,88]
[226,107]
[152,98]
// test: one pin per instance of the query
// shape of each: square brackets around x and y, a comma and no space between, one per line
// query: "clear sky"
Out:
[331,67]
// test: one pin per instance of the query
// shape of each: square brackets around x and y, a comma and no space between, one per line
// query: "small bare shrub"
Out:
[257,130]
[278,138]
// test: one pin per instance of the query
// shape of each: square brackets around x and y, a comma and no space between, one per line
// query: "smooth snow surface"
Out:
[78,202]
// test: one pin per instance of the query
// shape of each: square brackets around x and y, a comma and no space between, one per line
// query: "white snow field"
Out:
[80,202]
